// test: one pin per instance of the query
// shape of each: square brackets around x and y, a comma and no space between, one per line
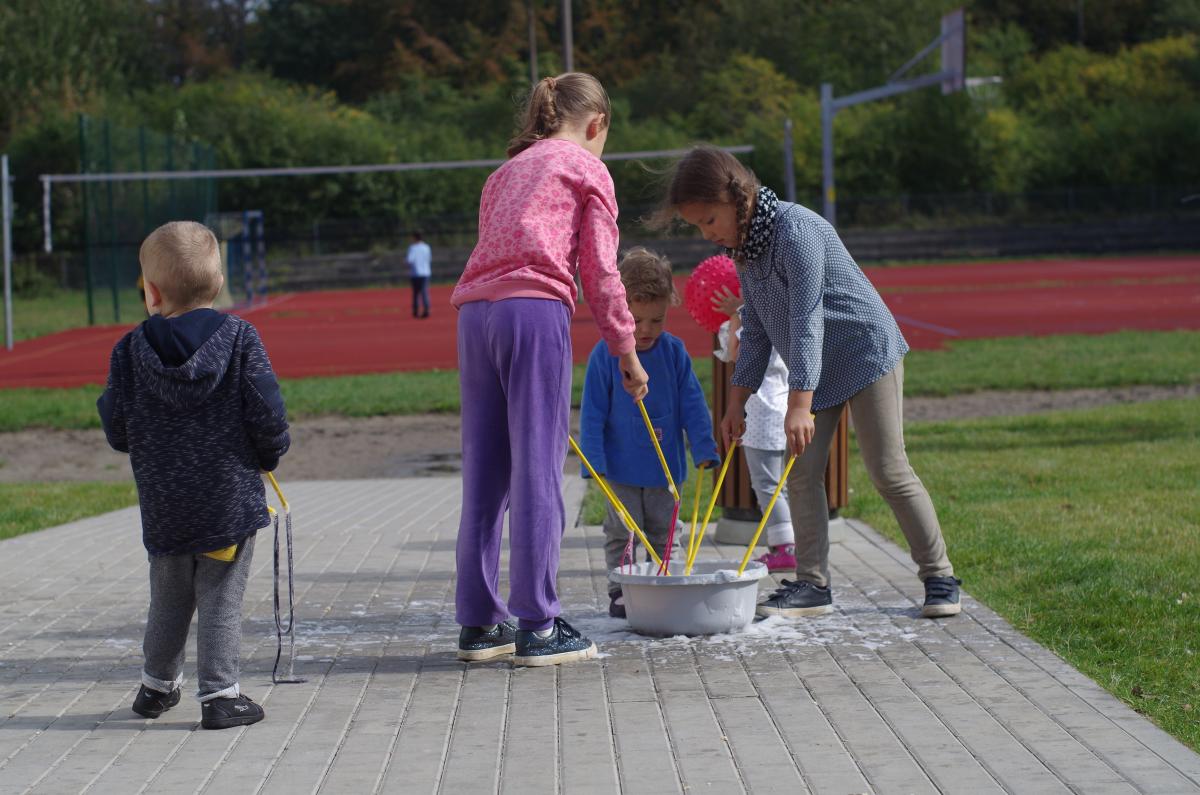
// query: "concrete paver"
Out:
[871,698]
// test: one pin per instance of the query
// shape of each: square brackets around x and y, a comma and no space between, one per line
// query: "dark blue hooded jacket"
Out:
[194,402]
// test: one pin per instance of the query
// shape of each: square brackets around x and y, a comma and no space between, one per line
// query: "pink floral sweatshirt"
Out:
[544,214]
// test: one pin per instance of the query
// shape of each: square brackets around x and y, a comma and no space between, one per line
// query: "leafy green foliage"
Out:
[355,81]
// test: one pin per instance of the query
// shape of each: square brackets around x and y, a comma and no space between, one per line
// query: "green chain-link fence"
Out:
[119,215]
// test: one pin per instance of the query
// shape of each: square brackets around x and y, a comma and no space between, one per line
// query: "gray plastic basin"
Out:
[712,599]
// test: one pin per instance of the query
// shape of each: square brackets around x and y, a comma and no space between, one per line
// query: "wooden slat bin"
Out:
[737,499]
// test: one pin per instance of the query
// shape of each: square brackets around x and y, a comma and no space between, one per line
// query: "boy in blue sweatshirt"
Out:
[612,432]
[192,399]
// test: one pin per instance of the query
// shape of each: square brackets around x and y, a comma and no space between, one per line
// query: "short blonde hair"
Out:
[183,260]
[647,276]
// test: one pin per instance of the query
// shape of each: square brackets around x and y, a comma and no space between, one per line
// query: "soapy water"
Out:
[766,635]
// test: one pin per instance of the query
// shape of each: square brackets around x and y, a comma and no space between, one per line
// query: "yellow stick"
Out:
[662,459]
[279,492]
[711,503]
[617,505]
[766,514]
[695,514]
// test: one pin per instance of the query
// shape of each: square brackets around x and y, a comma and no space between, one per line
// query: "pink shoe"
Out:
[780,558]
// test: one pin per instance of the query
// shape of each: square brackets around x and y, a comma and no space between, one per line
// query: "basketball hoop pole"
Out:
[951,77]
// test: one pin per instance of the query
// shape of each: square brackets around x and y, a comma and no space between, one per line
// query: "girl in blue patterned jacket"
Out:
[806,297]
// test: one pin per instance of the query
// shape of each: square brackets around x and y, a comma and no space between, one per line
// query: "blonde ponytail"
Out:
[557,101]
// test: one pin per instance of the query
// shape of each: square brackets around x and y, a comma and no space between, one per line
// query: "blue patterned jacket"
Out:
[194,402]
[806,297]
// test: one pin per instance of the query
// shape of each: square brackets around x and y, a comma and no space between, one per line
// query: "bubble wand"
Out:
[618,506]
[662,459]
[711,503]
[766,515]
[695,513]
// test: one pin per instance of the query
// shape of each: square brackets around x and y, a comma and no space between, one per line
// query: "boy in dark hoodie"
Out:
[192,398]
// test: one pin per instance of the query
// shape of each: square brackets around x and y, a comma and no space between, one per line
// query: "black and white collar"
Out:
[762,226]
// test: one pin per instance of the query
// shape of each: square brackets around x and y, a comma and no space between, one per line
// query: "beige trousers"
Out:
[879,427]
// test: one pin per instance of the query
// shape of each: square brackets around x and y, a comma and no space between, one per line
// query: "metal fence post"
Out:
[111,224]
[87,221]
[6,210]
[827,189]
[789,167]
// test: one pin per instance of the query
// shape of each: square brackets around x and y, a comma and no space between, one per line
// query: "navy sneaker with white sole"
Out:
[941,597]
[563,644]
[796,599]
[479,643]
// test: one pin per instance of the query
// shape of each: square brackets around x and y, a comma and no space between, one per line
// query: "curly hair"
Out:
[647,276]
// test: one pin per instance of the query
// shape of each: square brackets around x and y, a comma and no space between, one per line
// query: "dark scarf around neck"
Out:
[761,228]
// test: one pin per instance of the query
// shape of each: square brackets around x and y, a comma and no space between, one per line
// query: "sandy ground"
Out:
[338,447]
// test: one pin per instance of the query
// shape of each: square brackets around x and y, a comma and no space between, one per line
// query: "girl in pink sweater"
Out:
[547,213]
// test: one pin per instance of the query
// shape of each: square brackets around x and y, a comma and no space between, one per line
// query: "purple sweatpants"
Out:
[514,360]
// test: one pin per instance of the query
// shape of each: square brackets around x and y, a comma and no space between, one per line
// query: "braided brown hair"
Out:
[555,102]
[710,175]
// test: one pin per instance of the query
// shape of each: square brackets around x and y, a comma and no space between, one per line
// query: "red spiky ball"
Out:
[708,277]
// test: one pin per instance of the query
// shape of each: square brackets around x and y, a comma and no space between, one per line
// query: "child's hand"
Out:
[725,302]
[799,425]
[633,375]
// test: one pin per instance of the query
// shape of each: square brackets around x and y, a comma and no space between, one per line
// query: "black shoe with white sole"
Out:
[225,713]
[797,598]
[479,643]
[150,703]
[563,644]
[941,597]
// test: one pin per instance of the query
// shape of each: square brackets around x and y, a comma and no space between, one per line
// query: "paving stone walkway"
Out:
[869,699]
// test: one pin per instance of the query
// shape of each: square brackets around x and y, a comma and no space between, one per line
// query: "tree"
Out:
[59,54]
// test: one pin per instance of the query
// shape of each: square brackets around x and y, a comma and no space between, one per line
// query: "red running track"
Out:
[372,331]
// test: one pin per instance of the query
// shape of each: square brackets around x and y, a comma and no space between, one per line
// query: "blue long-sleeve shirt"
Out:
[612,433]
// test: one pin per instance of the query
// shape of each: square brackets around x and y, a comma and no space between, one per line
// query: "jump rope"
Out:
[289,628]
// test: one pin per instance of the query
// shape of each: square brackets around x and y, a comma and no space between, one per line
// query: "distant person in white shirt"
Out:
[419,258]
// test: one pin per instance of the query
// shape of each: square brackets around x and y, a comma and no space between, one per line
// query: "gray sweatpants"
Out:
[183,585]
[878,413]
[651,508]
[766,468]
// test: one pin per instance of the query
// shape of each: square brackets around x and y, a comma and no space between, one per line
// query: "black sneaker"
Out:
[563,644]
[941,597]
[151,703]
[797,598]
[477,643]
[225,713]
[616,605]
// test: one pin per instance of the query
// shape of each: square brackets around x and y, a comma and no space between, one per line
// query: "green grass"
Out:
[67,309]
[1069,361]
[1066,362]
[25,507]
[1083,530]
